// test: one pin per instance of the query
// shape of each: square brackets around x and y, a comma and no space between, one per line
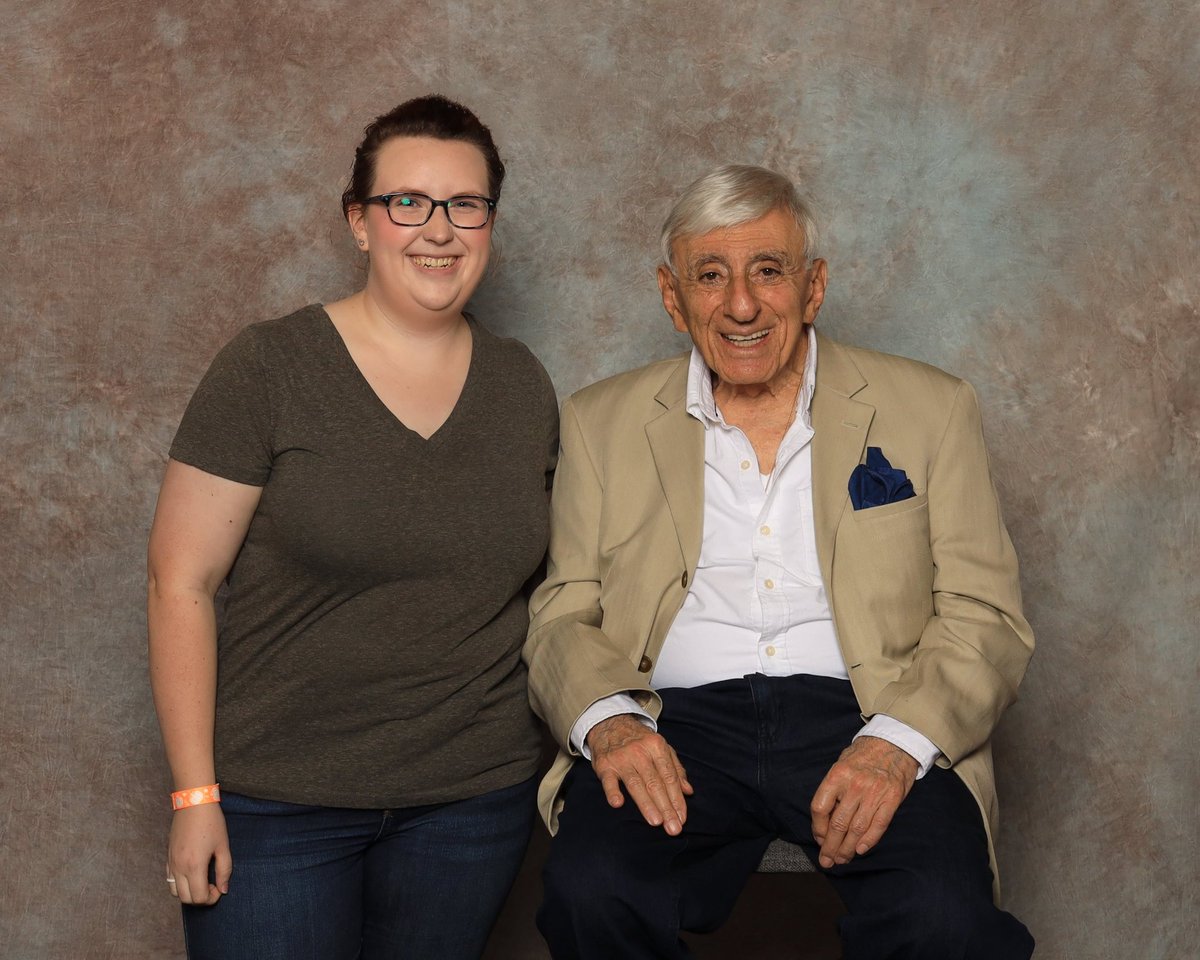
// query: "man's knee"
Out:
[579,875]
[976,932]
[939,922]
[597,902]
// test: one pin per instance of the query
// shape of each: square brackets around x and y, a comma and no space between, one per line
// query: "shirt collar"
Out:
[703,406]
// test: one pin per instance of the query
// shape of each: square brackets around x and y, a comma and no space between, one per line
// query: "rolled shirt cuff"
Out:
[916,745]
[610,706]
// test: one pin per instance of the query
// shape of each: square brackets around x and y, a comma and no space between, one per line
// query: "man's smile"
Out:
[746,339]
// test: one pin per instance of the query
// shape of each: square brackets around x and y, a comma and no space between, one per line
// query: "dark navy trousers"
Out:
[755,750]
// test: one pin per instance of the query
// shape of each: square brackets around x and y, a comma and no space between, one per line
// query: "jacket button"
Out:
[645,665]
[683,580]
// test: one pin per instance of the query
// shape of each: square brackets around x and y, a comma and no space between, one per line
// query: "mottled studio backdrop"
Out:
[1010,191]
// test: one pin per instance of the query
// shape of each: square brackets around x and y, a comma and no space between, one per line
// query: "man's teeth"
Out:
[751,338]
[433,261]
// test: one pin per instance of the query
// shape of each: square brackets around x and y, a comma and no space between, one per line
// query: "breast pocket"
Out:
[885,552]
[896,532]
[919,505]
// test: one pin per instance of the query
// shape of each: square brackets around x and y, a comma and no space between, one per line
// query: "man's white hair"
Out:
[732,194]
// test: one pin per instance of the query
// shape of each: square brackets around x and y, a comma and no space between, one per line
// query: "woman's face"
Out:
[433,268]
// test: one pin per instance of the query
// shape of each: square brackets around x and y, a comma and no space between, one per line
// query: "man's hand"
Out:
[625,750]
[854,804]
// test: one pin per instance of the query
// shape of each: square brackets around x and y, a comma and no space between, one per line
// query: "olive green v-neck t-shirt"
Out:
[369,649]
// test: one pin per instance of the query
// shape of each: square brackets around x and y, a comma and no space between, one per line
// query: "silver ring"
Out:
[171,880]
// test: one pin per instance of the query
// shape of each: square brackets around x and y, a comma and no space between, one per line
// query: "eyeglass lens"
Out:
[414,209]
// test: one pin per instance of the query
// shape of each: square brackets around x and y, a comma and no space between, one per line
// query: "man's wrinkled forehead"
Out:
[775,237]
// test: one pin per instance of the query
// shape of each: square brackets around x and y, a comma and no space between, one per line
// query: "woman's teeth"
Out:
[433,262]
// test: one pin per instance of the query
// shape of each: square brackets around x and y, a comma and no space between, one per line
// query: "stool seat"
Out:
[784,857]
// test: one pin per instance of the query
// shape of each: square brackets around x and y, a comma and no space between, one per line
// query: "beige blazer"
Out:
[924,592]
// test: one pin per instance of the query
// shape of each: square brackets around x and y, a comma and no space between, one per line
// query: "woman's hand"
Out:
[198,838]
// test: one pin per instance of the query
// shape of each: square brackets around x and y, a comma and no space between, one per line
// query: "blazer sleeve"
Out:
[975,646]
[572,661]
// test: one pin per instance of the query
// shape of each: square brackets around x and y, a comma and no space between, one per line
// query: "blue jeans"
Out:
[330,883]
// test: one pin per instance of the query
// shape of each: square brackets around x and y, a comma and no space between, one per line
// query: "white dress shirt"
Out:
[756,603]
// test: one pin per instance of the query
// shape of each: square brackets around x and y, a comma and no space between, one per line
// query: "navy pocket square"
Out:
[876,482]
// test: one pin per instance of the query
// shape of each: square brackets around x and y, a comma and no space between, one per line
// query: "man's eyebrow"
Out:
[783,256]
[700,259]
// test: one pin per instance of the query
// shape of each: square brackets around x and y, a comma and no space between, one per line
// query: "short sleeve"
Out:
[227,427]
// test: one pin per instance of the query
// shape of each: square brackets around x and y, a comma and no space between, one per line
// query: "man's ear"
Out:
[816,290]
[667,282]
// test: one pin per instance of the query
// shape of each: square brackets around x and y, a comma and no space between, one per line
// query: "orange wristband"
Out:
[196,796]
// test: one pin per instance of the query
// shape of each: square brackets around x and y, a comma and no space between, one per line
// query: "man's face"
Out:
[746,294]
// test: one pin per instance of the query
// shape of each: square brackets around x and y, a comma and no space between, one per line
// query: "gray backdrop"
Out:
[1010,191]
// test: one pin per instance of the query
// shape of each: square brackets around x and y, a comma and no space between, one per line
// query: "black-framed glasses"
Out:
[466,212]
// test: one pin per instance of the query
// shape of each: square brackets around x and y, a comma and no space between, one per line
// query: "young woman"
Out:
[370,476]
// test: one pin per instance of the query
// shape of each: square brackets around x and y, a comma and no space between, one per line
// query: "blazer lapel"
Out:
[677,444]
[840,426]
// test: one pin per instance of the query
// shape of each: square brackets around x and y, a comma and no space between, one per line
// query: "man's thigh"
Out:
[925,890]
[610,874]
[937,829]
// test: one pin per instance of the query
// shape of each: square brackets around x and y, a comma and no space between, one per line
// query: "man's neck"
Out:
[764,417]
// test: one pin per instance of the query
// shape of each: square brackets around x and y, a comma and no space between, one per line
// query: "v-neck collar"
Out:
[373,399]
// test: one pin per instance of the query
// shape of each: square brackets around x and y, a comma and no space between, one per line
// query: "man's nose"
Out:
[740,302]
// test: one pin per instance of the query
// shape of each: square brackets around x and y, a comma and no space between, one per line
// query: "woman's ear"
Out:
[356,216]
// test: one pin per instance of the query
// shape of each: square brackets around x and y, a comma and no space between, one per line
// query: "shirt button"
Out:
[769,584]
[745,464]
[770,651]
[765,530]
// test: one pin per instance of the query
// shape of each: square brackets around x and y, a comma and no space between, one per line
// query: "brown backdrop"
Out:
[1010,191]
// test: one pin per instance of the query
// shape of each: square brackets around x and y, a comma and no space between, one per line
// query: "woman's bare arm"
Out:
[199,526]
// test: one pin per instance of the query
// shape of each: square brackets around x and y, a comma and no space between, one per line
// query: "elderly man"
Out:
[780,602]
